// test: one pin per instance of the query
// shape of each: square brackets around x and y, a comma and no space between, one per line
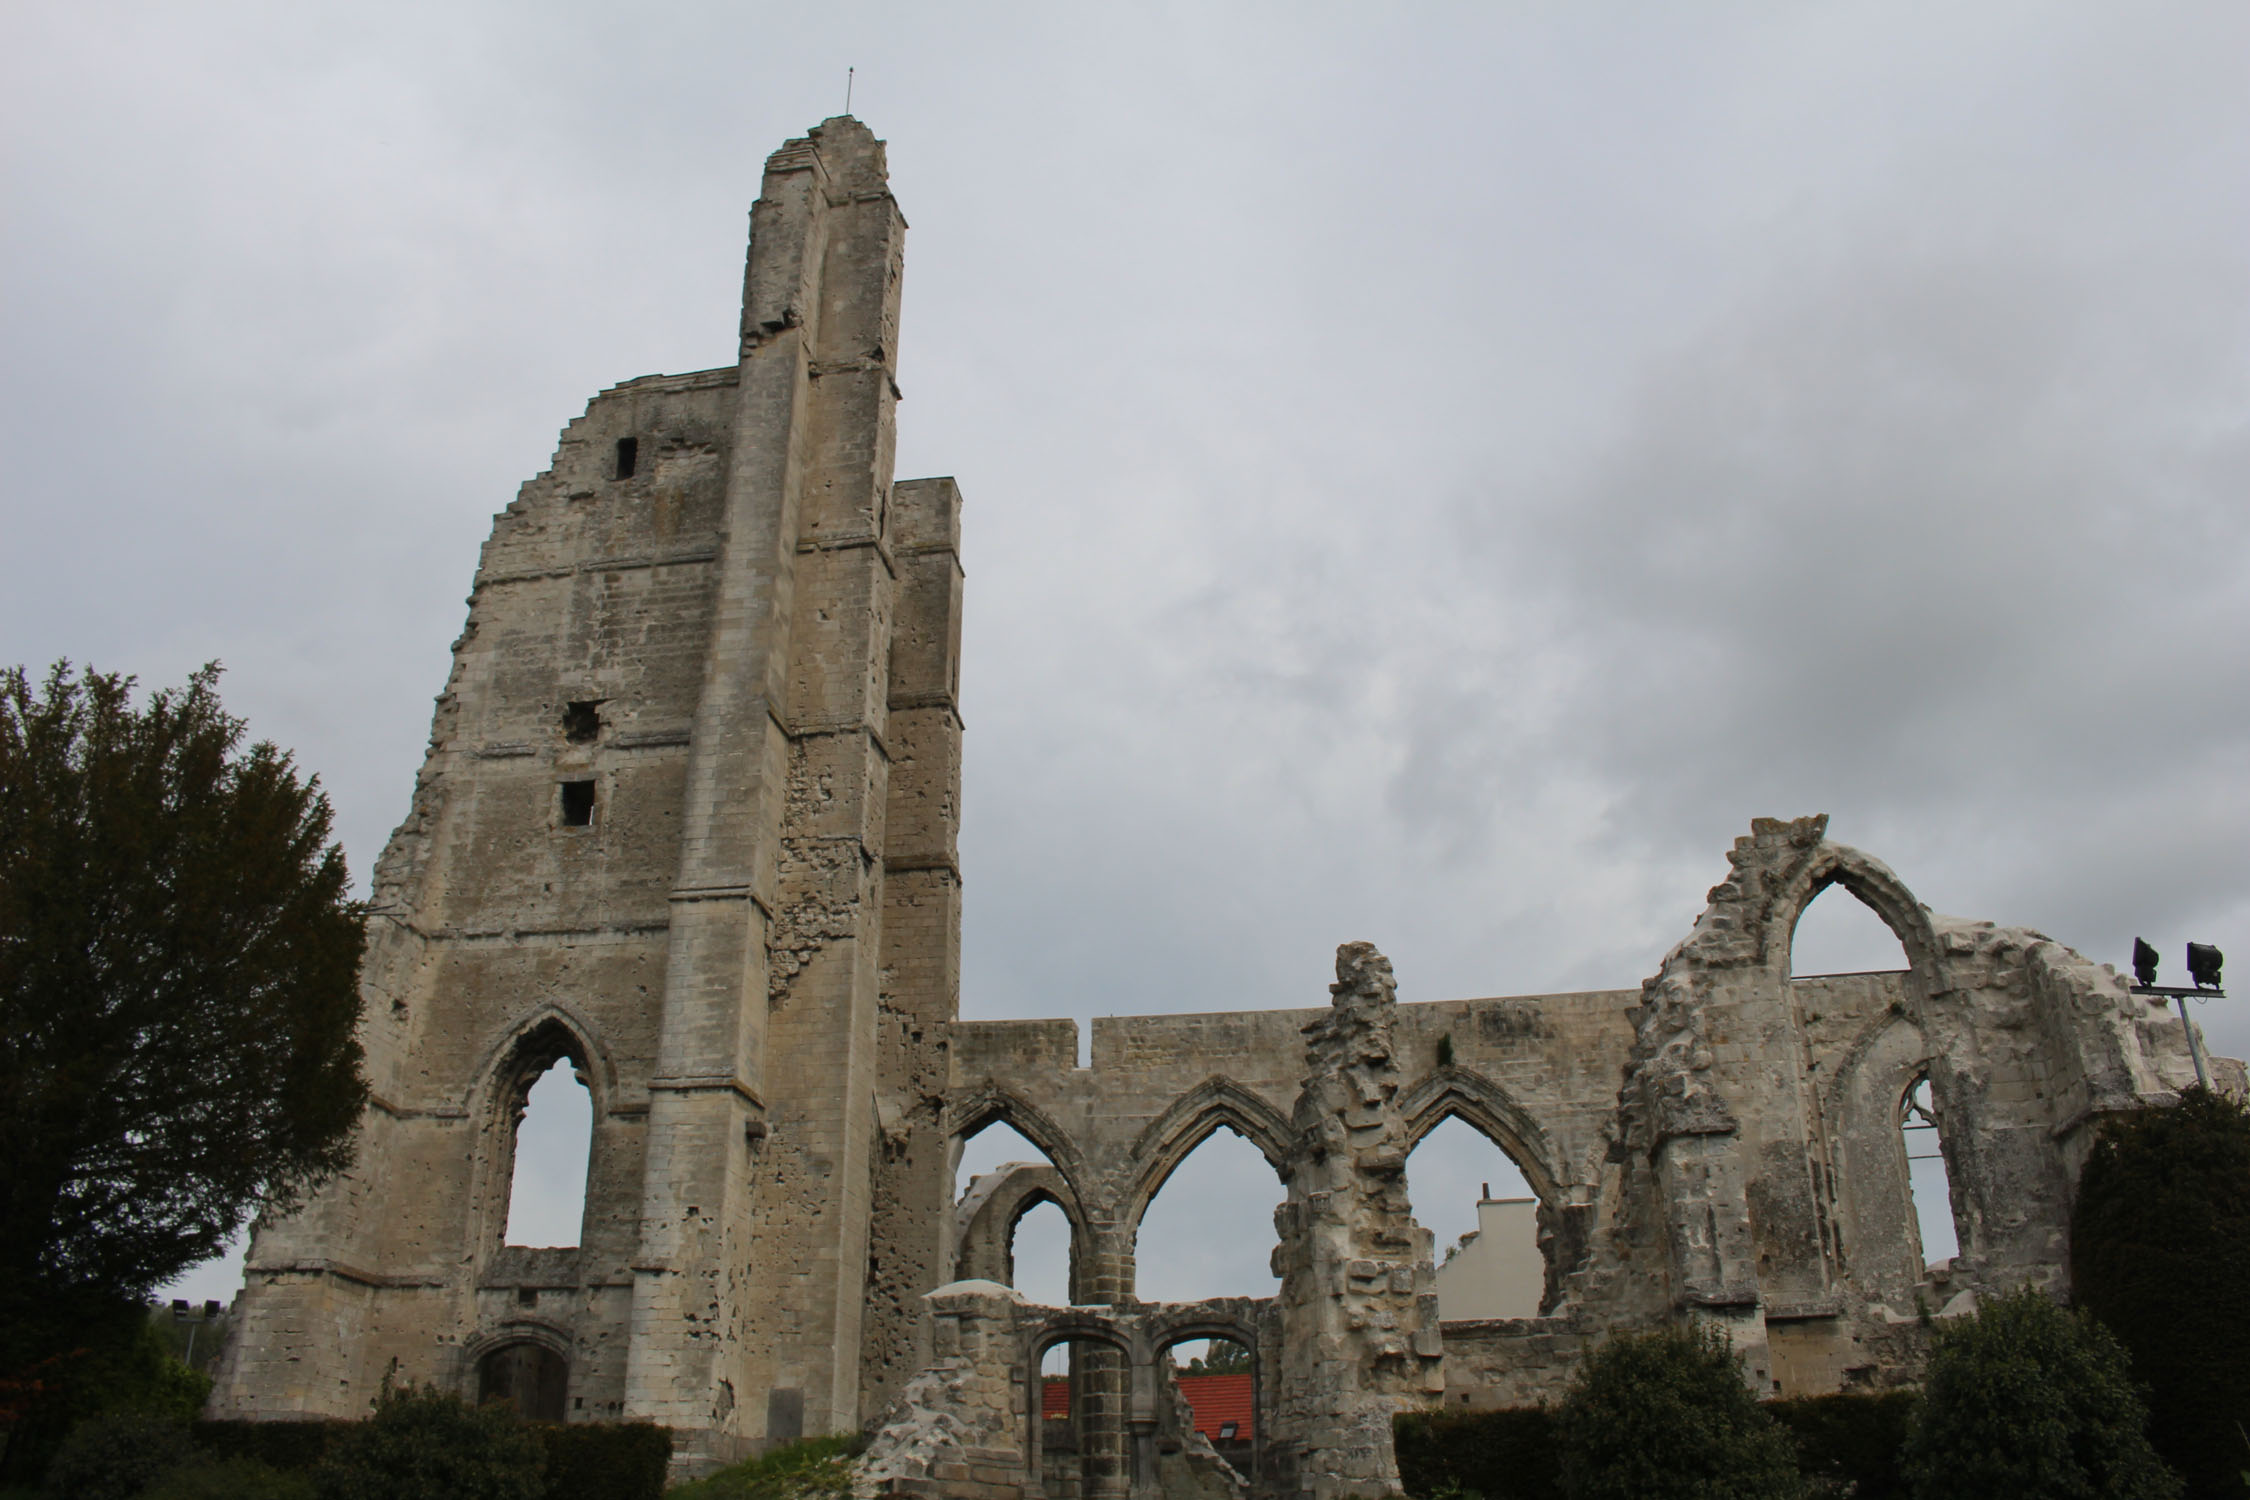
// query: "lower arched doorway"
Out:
[531,1377]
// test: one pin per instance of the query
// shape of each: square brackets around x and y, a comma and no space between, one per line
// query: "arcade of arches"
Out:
[1804,1159]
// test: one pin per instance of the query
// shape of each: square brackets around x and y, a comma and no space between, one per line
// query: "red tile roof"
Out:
[1220,1398]
[1215,1399]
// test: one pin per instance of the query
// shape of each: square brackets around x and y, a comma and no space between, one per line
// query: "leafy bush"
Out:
[230,1479]
[815,1469]
[121,1362]
[280,1445]
[117,1455]
[1849,1444]
[2160,1252]
[1501,1455]
[1667,1414]
[2032,1402]
[584,1460]
[606,1460]
[425,1444]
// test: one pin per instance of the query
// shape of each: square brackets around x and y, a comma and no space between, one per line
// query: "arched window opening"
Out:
[1037,1243]
[1837,933]
[1484,1221]
[531,1377]
[1208,1232]
[1931,1188]
[991,1145]
[1080,1451]
[547,1183]
[1218,1389]
[1039,1255]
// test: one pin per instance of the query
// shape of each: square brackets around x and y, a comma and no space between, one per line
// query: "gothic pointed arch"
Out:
[971,1110]
[535,1042]
[1452,1091]
[1190,1121]
[1865,877]
[516,1058]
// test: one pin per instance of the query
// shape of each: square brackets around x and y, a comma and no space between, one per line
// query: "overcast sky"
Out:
[1433,474]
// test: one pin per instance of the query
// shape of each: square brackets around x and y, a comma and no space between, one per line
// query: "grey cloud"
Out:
[1429,480]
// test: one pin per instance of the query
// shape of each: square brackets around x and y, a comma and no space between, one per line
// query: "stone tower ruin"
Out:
[688,821]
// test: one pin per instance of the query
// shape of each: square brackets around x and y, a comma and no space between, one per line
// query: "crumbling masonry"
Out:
[688,820]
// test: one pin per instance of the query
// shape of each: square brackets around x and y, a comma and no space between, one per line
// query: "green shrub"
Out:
[2160,1252]
[1500,1455]
[124,1363]
[815,1469]
[1667,1416]
[424,1444]
[116,1455]
[2032,1402]
[606,1460]
[279,1445]
[230,1479]
[1849,1444]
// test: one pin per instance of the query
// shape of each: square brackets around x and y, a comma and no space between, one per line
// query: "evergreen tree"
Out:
[2160,1252]
[1668,1416]
[2028,1400]
[178,996]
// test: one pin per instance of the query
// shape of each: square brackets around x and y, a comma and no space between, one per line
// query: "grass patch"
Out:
[815,1469]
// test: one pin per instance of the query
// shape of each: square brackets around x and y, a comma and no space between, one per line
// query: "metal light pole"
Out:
[2203,967]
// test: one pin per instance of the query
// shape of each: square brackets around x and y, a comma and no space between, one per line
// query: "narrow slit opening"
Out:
[628,456]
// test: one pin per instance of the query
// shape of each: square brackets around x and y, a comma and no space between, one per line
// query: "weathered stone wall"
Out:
[1723,1145]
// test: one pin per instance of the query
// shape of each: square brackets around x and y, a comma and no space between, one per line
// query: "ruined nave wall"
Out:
[1723,1144]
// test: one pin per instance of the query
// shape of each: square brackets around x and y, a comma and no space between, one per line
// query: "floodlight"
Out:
[2203,965]
[2144,962]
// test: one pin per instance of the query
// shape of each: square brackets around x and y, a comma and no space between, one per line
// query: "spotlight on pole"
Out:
[2204,963]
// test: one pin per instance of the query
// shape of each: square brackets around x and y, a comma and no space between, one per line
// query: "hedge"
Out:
[1508,1454]
[585,1460]
[606,1460]
[1850,1440]
[1511,1454]
[283,1445]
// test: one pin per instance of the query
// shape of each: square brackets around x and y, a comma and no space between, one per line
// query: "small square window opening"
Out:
[628,456]
[1228,1430]
[578,804]
[582,722]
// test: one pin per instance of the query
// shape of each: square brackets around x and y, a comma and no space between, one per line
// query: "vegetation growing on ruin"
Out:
[2028,1400]
[2160,1252]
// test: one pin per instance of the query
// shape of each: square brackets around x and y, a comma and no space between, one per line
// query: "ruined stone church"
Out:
[687,820]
